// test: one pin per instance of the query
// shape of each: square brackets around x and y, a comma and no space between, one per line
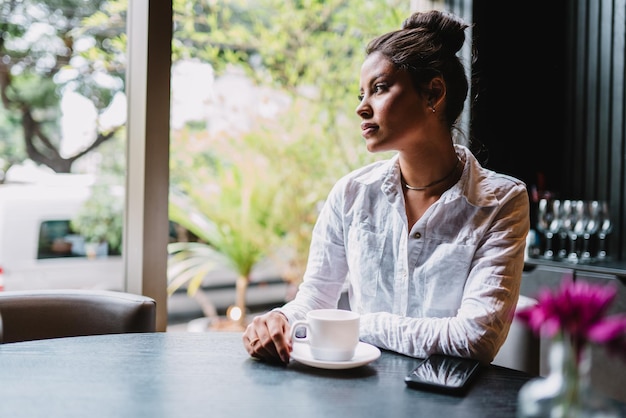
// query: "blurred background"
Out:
[259,118]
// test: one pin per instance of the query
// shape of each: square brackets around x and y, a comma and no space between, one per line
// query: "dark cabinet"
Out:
[549,102]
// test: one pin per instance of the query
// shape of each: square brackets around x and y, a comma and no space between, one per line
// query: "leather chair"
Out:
[521,349]
[42,314]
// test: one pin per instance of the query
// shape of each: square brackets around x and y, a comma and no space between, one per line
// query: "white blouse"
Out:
[449,286]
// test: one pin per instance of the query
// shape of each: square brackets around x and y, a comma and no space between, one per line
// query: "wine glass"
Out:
[577,225]
[605,228]
[566,224]
[592,213]
[549,213]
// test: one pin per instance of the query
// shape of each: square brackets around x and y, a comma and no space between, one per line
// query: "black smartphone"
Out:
[443,373]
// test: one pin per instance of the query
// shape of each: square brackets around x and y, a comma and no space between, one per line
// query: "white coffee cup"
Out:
[332,334]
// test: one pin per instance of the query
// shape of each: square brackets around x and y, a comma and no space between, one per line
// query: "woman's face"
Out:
[393,113]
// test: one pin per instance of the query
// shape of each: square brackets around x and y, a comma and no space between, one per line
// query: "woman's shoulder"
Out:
[502,180]
[371,173]
[364,180]
[484,186]
[494,188]
[481,174]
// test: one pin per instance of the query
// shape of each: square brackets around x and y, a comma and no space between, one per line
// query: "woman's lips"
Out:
[368,128]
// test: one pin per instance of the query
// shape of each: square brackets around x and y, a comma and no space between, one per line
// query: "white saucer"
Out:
[365,353]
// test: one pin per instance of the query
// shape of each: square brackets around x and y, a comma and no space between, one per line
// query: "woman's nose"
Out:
[363,109]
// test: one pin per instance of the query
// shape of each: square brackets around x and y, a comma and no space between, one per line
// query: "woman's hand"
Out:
[267,337]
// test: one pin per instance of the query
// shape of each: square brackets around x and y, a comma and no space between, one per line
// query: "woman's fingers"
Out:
[266,337]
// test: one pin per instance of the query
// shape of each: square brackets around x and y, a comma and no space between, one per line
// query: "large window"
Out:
[261,122]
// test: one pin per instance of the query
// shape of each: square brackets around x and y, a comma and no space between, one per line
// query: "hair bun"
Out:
[444,28]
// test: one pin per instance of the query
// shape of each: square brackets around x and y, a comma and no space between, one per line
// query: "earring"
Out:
[432,108]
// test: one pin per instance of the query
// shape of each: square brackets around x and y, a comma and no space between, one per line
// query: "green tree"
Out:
[313,49]
[48,48]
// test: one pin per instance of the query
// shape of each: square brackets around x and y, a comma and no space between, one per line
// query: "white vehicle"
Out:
[38,250]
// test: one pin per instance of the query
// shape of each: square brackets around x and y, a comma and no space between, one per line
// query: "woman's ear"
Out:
[437,93]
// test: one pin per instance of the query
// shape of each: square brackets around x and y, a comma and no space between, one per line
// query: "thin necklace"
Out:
[434,183]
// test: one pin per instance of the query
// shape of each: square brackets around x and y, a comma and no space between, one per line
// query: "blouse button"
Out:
[417,235]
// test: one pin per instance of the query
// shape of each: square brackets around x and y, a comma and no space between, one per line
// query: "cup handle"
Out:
[297,325]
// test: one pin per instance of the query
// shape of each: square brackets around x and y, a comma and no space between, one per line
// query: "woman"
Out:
[430,243]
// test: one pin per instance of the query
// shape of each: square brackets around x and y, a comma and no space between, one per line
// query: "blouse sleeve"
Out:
[326,270]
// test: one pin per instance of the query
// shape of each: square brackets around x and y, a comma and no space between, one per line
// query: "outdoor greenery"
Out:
[100,219]
[49,48]
[247,192]
[264,187]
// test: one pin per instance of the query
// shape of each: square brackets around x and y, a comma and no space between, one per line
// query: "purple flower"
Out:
[578,310]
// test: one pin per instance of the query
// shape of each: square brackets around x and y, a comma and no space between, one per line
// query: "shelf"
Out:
[615,268]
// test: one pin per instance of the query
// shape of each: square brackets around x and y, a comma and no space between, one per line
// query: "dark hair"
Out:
[426,47]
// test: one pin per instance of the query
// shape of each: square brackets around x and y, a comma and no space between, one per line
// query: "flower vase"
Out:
[566,392]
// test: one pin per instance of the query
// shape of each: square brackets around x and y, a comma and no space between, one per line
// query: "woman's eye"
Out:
[379,87]
[360,97]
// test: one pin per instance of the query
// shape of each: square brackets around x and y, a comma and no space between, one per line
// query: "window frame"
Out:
[146,227]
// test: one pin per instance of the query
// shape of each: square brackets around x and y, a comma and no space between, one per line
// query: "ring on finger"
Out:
[254,342]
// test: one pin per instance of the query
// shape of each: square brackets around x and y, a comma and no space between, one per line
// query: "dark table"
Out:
[211,375]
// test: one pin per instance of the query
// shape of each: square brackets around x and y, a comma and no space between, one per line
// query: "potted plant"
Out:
[234,220]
